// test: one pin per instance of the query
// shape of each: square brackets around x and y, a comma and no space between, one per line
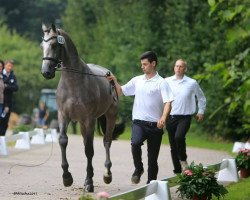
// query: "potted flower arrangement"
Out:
[198,183]
[243,162]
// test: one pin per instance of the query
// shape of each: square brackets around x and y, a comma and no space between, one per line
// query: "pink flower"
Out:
[188,172]
[245,151]
[102,195]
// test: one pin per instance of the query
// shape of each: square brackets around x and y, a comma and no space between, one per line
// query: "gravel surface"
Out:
[45,181]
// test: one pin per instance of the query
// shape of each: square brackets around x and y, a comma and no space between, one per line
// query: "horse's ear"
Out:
[53,27]
[44,27]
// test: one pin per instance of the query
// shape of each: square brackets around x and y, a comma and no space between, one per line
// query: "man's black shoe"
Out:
[136,177]
[177,171]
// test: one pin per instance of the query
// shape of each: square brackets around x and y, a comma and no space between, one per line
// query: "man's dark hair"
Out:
[150,55]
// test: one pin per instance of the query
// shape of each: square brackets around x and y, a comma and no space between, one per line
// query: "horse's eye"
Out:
[53,45]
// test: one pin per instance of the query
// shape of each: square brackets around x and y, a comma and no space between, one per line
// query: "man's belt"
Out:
[146,123]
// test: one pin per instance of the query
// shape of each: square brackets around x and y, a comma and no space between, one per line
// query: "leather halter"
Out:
[56,60]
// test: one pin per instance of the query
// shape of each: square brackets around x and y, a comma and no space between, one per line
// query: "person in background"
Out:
[43,114]
[10,86]
[3,109]
[152,105]
[185,91]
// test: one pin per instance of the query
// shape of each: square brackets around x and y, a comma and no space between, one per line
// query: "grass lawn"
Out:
[239,190]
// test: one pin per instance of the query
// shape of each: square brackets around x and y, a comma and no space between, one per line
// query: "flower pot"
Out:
[244,173]
[203,197]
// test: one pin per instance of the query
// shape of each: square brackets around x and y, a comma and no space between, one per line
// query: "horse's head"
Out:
[52,49]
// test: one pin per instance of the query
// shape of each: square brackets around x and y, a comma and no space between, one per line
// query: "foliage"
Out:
[243,159]
[22,128]
[200,182]
[229,112]
[26,17]
[111,37]
[189,34]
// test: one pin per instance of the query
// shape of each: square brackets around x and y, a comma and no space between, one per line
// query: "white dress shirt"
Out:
[150,96]
[185,90]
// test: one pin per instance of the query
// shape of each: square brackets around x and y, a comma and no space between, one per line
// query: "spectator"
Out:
[185,91]
[152,105]
[10,86]
[3,109]
[43,114]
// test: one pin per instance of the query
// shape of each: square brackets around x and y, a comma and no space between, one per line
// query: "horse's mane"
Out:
[70,45]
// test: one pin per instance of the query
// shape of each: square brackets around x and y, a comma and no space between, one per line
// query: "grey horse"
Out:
[84,95]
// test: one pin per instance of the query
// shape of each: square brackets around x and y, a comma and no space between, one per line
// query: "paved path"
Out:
[45,182]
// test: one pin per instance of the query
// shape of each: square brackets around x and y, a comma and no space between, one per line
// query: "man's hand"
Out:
[161,122]
[111,77]
[114,82]
[167,108]
[199,117]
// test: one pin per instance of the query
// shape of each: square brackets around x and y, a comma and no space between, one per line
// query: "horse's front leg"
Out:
[87,132]
[63,141]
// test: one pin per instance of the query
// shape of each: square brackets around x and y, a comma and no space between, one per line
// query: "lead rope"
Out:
[112,83]
[35,165]
[112,87]
[77,71]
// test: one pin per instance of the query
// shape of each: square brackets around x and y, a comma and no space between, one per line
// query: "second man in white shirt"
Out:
[185,91]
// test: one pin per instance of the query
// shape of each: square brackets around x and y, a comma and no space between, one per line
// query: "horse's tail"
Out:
[118,130]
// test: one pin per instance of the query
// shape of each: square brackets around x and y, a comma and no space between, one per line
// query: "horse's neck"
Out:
[70,57]
[75,64]
[74,74]
[73,67]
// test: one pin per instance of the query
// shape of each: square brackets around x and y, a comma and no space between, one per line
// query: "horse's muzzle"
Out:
[48,71]
[48,75]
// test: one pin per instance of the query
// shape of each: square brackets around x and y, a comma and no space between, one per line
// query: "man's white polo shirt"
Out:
[185,91]
[150,96]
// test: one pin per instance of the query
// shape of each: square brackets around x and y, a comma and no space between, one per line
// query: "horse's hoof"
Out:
[89,188]
[67,179]
[107,178]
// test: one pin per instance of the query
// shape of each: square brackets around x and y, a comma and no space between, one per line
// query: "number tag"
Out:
[60,39]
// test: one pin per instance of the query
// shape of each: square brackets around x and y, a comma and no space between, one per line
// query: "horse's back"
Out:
[97,69]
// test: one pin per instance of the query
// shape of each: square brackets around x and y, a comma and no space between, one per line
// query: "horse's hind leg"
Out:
[63,141]
[107,140]
[107,177]
[88,136]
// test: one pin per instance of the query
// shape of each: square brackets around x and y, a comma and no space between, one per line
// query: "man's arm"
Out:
[117,85]
[165,114]
[201,103]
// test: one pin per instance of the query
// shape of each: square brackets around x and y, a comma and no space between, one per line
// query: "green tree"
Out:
[106,34]
[229,75]
[26,17]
